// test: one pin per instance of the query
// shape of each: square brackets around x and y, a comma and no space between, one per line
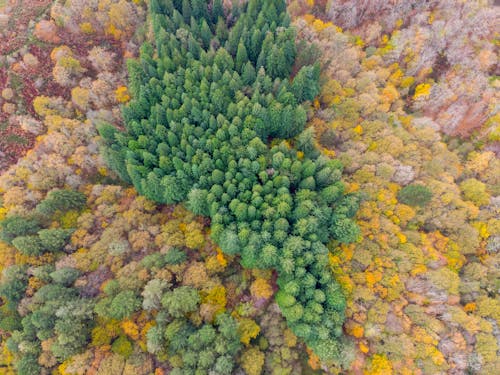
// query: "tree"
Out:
[229,242]
[248,330]
[72,327]
[122,346]
[65,276]
[61,200]
[217,11]
[475,191]
[28,365]
[174,256]
[155,340]
[224,365]
[186,10]
[241,57]
[248,74]
[181,301]
[152,294]
[415,195]
[252,361]
[197,202]
[28,245]
[206,134]
[305,85]
[14,283]
[15,226]
[54,240]
[123,305]
[199,9]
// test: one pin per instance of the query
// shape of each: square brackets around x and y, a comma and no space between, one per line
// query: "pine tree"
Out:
[199,8]
[241,57]
[186,11]
[217,11]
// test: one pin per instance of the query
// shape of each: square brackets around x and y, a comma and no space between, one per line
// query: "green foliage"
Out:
[206,126]
[11,322]
[415,195]
[56,312]
[14,282]
[65,276]
[28,245]
[15,226]
[152,294]
[54,240]
[72,327]
[28,365]
[174,256]
[181,301]
[123,305]
[61,200]
[122,346]
[305,85]
[203,350]
[50,240]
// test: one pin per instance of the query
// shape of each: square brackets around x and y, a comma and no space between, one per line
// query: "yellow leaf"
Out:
[363,348]
[122,95]
[422,90]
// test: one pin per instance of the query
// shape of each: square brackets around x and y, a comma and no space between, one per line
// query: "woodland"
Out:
[249,187]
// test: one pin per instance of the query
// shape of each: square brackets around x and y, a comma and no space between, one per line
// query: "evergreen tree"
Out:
[199,8]
[241,57]
[217,11]
[186,11]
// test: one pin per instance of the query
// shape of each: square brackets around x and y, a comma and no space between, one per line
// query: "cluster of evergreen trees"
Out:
[213,106]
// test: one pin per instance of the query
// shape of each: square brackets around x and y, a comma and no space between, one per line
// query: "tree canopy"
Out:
[217,122]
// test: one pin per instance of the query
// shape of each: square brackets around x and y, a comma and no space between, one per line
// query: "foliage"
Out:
[210,143]
[181,301]
[410,259]
[15,226]
[415,195]
[61,200]
[420,282]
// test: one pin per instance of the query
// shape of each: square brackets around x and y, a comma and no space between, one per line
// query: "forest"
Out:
[249,187]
